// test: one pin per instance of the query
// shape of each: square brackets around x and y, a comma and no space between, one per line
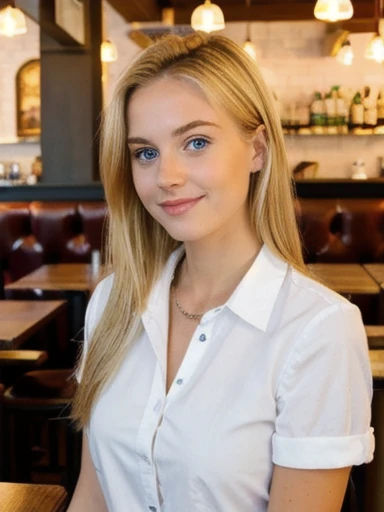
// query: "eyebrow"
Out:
[176,133]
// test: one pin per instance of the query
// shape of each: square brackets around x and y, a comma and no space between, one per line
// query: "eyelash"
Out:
[138,153]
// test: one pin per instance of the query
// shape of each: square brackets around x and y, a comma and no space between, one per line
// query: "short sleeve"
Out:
[93,313]
[324,396]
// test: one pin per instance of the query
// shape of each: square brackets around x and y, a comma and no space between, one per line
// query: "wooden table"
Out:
[376,271]
[377,363]
[76,280]
[76,277]
[20,319]
[32,498]
[346,278]
[375,336]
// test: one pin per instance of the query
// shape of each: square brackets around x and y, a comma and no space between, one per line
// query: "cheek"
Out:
[142,185]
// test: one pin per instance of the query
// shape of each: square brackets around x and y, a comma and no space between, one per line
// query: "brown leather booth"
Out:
[31,234]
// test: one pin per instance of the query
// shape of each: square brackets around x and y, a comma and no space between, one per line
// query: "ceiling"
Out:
[236,10]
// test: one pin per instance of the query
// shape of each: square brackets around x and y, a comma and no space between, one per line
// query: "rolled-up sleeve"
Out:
[324,395]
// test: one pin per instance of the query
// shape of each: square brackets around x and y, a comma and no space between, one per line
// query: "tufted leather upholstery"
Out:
[32,234]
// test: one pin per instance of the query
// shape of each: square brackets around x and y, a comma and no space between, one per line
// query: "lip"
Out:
[179,206]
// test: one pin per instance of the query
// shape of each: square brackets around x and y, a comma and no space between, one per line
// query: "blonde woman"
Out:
[216,376]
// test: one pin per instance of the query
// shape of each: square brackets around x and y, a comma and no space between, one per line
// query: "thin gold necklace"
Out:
[190,316]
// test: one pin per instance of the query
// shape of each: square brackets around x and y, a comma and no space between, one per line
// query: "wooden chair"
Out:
[34,498]
[39,403]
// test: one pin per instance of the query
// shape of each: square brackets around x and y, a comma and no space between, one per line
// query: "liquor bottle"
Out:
[318,116]
[370,108]
[380,108]
[331,109]
[357,113]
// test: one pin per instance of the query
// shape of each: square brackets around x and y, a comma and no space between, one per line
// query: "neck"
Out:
[213,268]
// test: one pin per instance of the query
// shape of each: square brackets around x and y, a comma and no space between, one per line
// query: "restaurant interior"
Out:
[59,63]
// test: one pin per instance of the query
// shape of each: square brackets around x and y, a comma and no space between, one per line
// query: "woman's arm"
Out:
[300,490]
[88,494]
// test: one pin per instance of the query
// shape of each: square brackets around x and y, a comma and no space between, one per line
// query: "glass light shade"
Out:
[250,49]
[333,10]
[375,49]
[207,17]
[108,52]
[345,55]
[381,27]
[12,22]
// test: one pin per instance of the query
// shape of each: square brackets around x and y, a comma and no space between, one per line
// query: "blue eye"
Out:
[146,154]
[197,144]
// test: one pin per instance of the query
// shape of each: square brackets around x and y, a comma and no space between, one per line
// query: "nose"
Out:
[171,171]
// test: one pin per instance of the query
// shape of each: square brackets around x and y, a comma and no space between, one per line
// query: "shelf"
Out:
[10,141]
[307,133]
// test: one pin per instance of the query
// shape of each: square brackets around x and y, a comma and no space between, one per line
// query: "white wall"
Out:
[14,52]
[291,57]
[294,63]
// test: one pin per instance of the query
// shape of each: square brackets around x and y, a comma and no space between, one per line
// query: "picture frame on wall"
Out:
[28,99]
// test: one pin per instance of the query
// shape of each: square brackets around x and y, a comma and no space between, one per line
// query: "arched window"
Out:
[28,99]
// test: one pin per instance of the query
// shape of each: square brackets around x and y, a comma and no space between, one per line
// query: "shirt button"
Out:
[217,310]
[152,509]
[179,381]
[202,337]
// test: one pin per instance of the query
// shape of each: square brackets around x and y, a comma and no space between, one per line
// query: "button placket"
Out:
[144,442]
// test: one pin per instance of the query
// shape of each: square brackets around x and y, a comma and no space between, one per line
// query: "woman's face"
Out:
[190,164]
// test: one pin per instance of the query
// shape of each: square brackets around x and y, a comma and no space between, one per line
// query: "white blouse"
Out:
[278,375]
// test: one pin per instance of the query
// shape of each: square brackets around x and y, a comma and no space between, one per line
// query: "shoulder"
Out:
[314,301]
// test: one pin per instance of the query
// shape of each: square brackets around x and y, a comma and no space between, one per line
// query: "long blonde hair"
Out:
[138,247]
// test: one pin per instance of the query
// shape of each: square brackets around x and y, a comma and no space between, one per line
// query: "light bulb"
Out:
[12,22]
[333,10]
[208,17]
[375,49]
[345,55]
[108,51]
[250,49]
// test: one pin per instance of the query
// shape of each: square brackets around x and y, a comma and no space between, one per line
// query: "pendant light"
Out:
[333,10]
[375,48]
[12,21]
[248,46]
[208,17]
[345,55]
[108,51]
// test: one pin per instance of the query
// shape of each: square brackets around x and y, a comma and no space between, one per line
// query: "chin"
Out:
[185,235]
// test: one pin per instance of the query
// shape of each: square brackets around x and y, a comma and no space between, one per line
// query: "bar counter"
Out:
[314,188]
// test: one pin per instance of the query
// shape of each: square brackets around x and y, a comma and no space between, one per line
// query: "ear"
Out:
[259,143]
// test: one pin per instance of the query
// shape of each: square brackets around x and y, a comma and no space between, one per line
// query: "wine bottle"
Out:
[357,113]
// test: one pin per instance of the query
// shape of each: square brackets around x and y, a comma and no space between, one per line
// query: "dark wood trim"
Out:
[342,189]
[372,188]
[52,193]
[137,10]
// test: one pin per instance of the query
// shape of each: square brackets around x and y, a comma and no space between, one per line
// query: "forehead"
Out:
[171,102]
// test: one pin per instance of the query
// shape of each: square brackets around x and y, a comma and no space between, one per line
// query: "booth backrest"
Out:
[31,234]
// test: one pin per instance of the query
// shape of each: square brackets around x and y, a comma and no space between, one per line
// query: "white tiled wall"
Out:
[14,52]
[292,57]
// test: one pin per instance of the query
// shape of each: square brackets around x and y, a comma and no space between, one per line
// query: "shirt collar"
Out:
[254,298]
